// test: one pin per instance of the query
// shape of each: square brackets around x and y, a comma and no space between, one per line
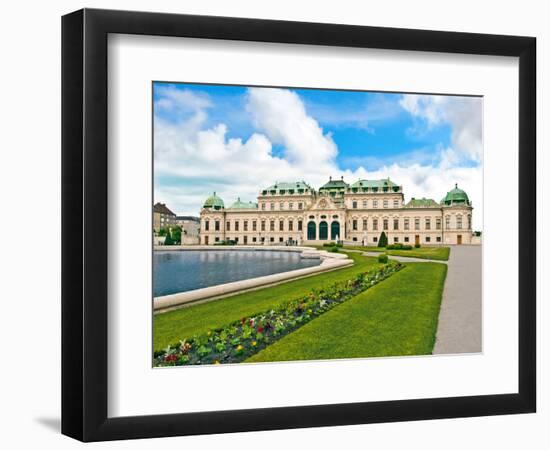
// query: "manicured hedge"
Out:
[241,339]
[382,258]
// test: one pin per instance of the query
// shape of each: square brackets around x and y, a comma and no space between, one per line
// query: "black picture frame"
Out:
[84,224]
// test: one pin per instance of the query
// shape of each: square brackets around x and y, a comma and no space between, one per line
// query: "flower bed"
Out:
[241,339]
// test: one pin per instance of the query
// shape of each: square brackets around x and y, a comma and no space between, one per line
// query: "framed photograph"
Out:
[273,224]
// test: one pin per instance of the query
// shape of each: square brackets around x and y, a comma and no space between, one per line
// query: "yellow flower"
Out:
[216,362]
[309,311]
[239,348]
[209,333]
[254,343]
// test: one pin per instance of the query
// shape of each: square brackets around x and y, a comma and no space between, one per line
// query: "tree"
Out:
[175,234]
[383,240]
[168,240]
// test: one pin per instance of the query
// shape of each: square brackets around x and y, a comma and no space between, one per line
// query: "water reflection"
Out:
[179,271]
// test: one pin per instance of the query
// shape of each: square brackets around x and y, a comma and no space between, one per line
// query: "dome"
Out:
[243,205]
[214,202]
[456,196]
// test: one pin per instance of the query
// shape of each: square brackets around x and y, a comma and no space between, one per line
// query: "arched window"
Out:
[335,230]
[311,231]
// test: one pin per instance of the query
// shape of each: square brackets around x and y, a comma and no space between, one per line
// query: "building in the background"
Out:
[163,218]
[190,226]
[360,212]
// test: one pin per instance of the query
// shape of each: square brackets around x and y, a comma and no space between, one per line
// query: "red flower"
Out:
[170,358]
[260,329]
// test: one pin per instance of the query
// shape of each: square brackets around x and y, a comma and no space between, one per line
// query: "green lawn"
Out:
[435,253]
[170,327]
[396,317]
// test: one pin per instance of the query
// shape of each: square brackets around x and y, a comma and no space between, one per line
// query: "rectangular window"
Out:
[216,239]
[271,225]
[447,222]
[272,206]
[428,223]
[396,239]
[253,239]
[300,205]
[417,224]
[396,203]
[469,222]
[364,204]
[245,225]
[459,222]
[375,224]
[290,205]
[406,239]
[236,225]
[281,205]
[365,224]
[374,239]
[280,239]
[206,225]
[354,205]
[271,239]
[253,225]
[385,203]
[299,225]
[438,238]
[290,225]
[385,224]
[228,225]
[375,203]
[396,224]
[354,239]
[263,225]
[217,225]
[406,224]
[281,225]
[354,224]
[427,238]
[438,223]
[263,206]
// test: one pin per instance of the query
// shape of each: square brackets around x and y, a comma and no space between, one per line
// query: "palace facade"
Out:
[294,212]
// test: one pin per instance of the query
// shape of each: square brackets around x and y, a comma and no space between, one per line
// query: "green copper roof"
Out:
[456,196]
[375,185]
[243,205]
[213,202]
[422,203]
[335,184]
[295,187]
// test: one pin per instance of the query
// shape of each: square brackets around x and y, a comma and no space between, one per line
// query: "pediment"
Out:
[324,203]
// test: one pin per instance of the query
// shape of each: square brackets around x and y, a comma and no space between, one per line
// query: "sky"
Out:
[237,140]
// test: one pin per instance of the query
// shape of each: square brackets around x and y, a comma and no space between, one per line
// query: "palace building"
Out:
[294,212]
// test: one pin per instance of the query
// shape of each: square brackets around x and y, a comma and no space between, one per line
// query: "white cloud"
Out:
[463,114]
[281,114]
[192,160]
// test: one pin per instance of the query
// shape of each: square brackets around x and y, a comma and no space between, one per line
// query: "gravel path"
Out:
[459,329]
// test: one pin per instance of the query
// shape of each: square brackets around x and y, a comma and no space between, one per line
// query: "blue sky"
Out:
[236,139]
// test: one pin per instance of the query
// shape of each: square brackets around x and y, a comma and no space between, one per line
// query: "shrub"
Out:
[383,240]
[382,258]
[333,249]
[416,245]
[333,244]
[406,247]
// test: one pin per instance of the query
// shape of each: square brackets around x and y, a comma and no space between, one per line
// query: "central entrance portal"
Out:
[323,231]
